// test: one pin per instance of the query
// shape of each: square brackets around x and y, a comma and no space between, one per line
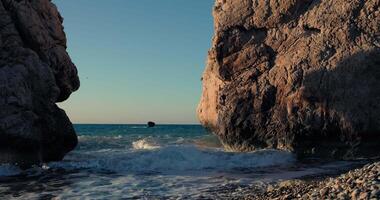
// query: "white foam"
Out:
[146,144]
[173,170]
[173,159]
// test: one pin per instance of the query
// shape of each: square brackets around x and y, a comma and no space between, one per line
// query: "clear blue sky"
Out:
[138,60]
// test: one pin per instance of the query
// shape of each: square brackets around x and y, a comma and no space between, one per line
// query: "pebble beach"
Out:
[358,184]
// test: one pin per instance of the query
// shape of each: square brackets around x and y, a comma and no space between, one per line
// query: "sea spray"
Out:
[146,143]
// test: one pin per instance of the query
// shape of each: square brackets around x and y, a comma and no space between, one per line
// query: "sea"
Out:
[163,162]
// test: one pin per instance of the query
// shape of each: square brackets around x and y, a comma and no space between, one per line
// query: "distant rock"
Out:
[302,76]
[151,124]
[35,73]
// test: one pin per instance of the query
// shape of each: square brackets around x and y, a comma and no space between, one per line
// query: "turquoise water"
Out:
[133,161]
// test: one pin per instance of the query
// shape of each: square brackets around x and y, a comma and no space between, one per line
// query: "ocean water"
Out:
[136,162]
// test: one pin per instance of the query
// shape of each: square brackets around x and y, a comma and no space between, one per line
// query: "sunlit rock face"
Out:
[302,76]
[35,73]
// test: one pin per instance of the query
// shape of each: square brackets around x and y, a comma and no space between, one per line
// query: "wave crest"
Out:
[145,144]
[176,158]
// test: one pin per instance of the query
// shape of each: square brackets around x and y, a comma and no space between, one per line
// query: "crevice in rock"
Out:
[235,38]
[356,11]
[300,9]
[272,56]
[269,99]
[310,6]
[355,30]
[222,100]
[311,30]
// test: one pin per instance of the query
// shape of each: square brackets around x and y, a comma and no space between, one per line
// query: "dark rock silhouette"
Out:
[35,73]
[151,124]
[301,76]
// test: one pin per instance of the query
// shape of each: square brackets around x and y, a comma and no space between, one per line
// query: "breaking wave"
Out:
[146,143]
[175,158]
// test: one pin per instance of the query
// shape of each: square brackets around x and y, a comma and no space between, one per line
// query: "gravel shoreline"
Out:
[361,183]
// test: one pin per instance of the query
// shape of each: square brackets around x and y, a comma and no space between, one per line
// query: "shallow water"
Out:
[132,161]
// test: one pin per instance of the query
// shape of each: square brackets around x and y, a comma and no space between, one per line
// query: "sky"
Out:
[138,60]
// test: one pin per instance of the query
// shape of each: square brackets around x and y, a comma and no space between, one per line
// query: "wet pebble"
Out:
[323,192]
[362,183]
[363,195]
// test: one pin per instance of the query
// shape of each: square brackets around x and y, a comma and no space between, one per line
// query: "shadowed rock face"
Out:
[302,76]
[35,73]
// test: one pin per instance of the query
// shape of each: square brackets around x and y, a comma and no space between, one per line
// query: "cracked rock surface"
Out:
[302,76]
[35,73]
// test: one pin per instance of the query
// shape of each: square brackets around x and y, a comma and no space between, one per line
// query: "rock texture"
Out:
[35,73]
[359,184]
[302,76]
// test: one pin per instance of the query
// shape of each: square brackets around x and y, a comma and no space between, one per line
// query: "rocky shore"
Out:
[36,72]
[300,76]
[362,183]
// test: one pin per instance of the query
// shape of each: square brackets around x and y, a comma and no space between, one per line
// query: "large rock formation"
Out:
[298,75]
[35,73]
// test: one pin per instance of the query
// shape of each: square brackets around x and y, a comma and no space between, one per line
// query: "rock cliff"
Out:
[297,75]
[35,73]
